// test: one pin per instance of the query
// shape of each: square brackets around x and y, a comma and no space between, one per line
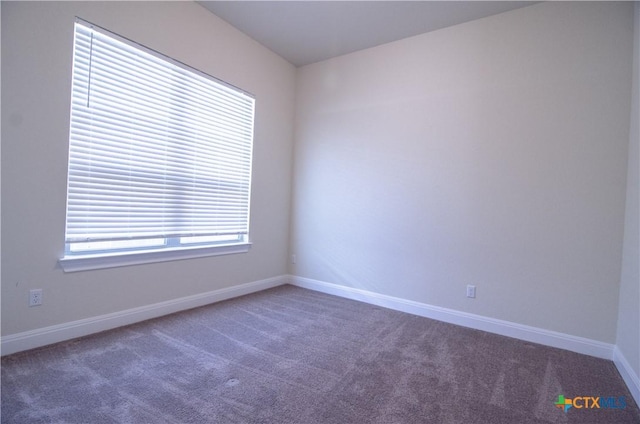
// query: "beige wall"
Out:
[628,340]
[37,41]
[491,153]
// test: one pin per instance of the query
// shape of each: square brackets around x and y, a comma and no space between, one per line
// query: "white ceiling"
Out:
[305,32]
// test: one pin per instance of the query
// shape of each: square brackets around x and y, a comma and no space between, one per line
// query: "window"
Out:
[159,157]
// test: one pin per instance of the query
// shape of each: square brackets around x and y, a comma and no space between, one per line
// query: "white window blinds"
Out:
[158,151]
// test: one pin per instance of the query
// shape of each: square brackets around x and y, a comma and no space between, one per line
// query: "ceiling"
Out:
[305,32]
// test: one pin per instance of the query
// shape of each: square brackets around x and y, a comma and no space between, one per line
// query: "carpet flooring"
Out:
[290,355]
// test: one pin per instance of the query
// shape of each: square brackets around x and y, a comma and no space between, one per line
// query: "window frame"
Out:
[181,246]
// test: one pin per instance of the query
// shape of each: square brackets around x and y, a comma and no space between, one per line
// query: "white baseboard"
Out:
[492,325]
[628,375]
[56,333]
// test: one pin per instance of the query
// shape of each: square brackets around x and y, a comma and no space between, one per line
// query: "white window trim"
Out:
[89,260]
[114,260]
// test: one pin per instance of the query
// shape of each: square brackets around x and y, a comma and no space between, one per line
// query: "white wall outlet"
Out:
[471,291]
[293,259]
[35,297]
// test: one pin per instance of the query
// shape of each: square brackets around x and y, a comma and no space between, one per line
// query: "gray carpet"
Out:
[290,355]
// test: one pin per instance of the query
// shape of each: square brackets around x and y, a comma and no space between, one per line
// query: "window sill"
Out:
[90,262]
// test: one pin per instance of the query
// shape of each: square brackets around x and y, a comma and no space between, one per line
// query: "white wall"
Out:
[491,153]
[37,41]
[628,340]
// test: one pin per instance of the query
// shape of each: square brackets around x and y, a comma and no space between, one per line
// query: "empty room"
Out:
[320,212]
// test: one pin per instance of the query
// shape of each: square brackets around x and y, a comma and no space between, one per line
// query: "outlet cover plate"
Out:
[471,291]
[35,297]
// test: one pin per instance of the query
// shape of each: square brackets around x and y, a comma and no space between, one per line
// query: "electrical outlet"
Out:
[293,259]
[35,297]
[471,291]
